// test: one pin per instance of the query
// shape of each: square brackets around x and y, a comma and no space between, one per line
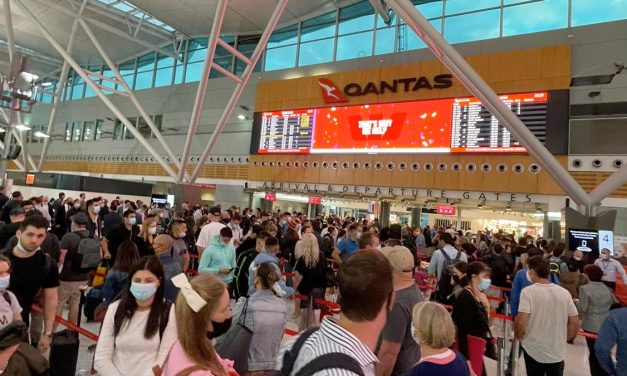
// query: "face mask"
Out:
[21,248]
[577,258]
[605,257]
[219,328]
[379,247]
[182,234]
[132,221]
[4,282]
[529,276]
[143,291]
[96,210]
[77,206]
[485,284]
[359,233]
[152,230]
[413,334]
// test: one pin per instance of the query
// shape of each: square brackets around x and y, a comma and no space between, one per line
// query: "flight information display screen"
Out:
[455,125]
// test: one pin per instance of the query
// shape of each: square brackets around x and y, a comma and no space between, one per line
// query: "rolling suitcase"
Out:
[64,347]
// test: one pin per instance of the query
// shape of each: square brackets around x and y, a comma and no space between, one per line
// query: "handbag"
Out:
[100,274]
[235,343]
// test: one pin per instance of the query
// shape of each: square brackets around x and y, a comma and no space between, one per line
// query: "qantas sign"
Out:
[332,94]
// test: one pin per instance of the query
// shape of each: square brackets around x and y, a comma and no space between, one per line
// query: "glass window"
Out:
[317,28]
[145,71]
[356,17]
[78,131]
[408,40]
[586,12]
[180,65]
[88,133]
[246,45]
[193,71]
[461,6]
[284,37]
[317,52]
[551,14]
[431,9]
[127,70]
[280,58]
[143,80]
[354,45]
[165,68]
[107,73]
[118,130]
[143,128]
[78,87]
[67,95]
[474,26]
[98,131]
[157,119]
[127,133]
[384,40]
[68,132]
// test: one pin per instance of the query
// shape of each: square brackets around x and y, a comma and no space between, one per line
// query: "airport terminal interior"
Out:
[457,166]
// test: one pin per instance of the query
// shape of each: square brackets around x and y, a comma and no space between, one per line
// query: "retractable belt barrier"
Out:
[73,327]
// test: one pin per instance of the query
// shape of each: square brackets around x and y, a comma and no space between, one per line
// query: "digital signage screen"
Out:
[454,125]
[586,241]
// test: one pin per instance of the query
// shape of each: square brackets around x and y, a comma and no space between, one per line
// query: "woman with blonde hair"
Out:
[146,235]
[203,312]
[310,276]
[434,331]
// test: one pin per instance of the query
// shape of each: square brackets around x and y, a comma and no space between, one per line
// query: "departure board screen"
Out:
[454,125]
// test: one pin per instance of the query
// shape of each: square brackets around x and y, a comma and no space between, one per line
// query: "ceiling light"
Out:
[41,134]
[22,127]
[46,84]
[241,117]
[2,130]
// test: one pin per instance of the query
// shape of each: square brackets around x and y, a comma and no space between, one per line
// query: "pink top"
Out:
[178,361]
[443,358]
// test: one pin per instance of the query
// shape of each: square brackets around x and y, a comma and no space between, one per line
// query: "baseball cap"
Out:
[293,223]
[400,258]
[80,218]
[215,211]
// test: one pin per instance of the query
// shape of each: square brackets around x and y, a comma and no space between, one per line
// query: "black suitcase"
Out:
[64,353]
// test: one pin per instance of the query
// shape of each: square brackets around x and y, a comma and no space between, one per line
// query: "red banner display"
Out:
[455,125]
[446,210]
[315,200]
[270,196]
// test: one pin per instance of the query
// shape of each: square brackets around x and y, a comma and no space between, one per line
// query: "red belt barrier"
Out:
[587,334]
[323,302]
[193,256]
[69,325]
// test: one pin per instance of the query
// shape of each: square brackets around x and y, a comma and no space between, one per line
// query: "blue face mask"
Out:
[143,291]
[4,283]
[132,221]
[485,284]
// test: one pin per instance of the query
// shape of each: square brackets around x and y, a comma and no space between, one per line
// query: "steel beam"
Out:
[233,51]
[8,24]
[202,84]
[56,99]
[274,19]
[128,90]
[110,29]
[226,72]
[609,185]
[28,159]
[77,68]
[479,88]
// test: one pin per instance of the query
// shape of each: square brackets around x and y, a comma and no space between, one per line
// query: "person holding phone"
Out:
[219,257]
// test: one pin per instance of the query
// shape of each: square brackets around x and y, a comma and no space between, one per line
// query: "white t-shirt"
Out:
[208,232]
[8,311]
[549,307]
[129,353]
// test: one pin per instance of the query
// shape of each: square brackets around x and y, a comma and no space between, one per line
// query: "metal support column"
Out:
[444,52]
[8,22]
[274,19]
[77,68]
[202,84]
[56,99]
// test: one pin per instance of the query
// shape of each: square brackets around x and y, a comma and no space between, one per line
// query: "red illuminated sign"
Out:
[30,179]
[446,209]
[330,91]
[270,196]
[315,200]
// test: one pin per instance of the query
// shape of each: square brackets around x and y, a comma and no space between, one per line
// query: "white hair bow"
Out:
[193,299]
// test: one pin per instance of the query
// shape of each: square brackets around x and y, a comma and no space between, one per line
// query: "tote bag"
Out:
[235,343]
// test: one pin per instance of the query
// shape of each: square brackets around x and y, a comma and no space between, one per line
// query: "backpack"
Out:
[89,248]
[321,363]
[445,289]
[554,270]
[242,271]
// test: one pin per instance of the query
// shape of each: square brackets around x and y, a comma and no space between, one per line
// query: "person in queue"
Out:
[178,231]
[75,208]
[8,230]
[163,250]
[14,202]
[434,331]
[547,318]
[288,247]
[613,335]
[94,226]
[269,256]
[72,277]
[266,314]
[439,260]
[33,270]
[367,290]
[117,279]
[349,245]
[595,301]
[611,269]
[471,311]
[522,279]
[210,230]
[398,352]
[219,257]
[309,277]
[138,329]
[203,312]
[146,236]
[10,309]
[369,241]
[119,234]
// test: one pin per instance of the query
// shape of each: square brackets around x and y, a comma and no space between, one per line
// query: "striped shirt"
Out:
[331,338]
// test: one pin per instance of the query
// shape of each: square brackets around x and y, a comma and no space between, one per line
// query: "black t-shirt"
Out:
[6,232]
[116,236]
[72,266]
[28,275]
[313,277]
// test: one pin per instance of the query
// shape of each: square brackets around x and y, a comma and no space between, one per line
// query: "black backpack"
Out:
[445,289]
[321,363]
[242,271]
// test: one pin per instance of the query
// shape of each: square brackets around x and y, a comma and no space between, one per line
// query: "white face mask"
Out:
[605,256]
[21,248]
[577,258]
[152,230]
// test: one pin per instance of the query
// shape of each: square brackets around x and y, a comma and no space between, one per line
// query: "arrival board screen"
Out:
[456,125]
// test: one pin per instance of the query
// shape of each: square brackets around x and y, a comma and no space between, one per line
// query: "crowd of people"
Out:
[209,291]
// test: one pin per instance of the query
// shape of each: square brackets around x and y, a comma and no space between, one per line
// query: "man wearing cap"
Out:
[397,351]
[8,231]
[72,277]
[210,230]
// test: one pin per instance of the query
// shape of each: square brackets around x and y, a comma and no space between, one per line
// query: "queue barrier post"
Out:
[500,356]
[515,353]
